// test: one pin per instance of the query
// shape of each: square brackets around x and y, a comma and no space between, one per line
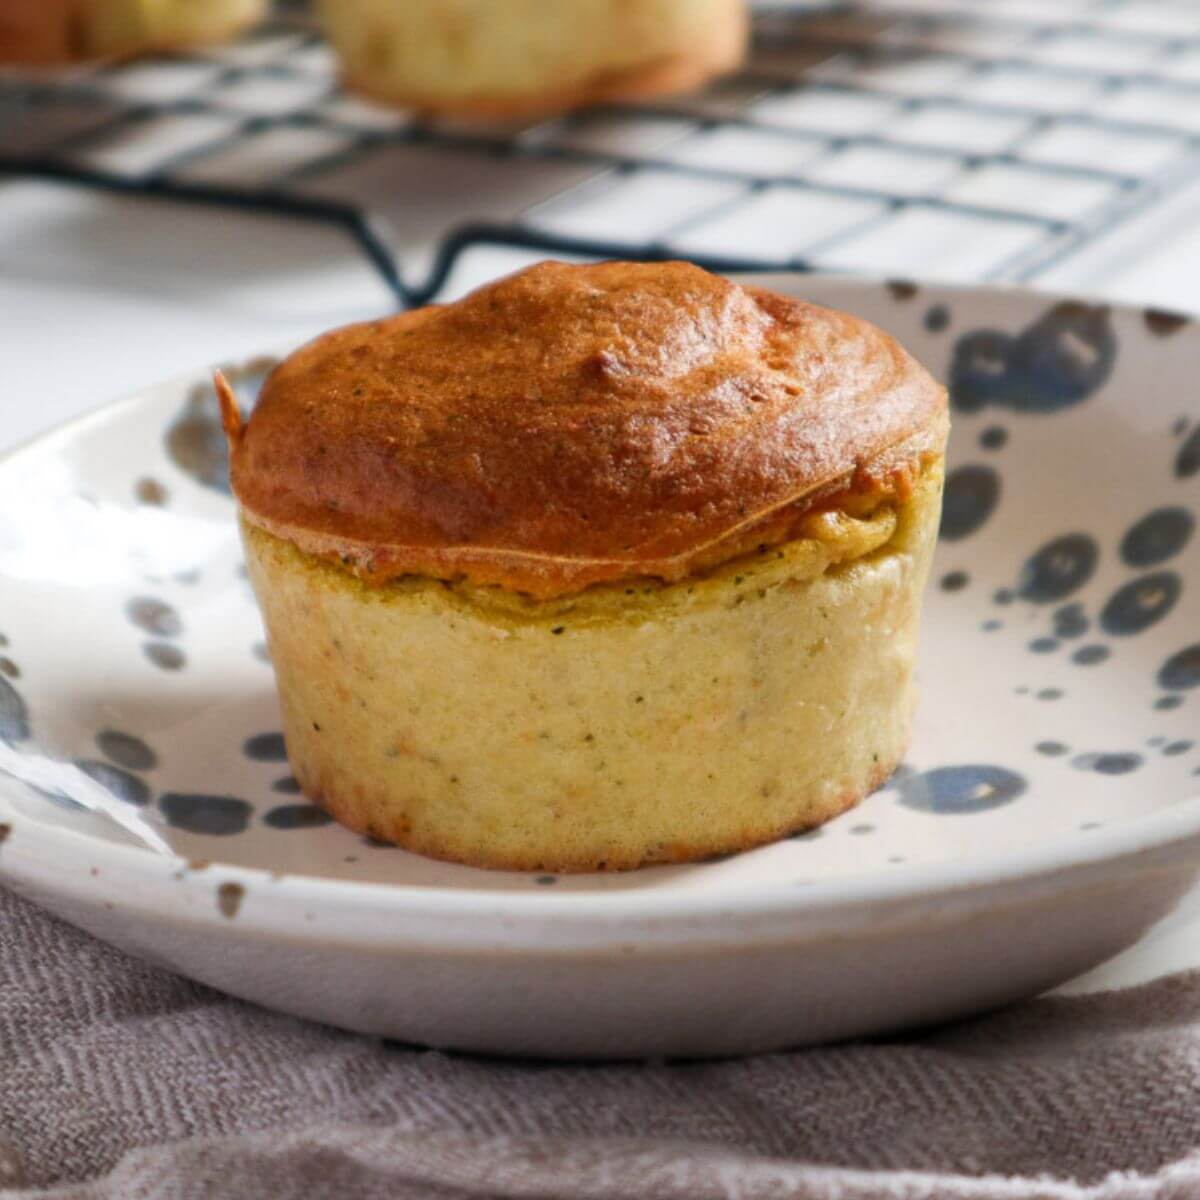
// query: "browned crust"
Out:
[53,38]
[231,413]
[574,425]
[394,828]
[722,51]
[546,576]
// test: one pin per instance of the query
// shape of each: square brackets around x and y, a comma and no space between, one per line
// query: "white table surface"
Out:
[101,294]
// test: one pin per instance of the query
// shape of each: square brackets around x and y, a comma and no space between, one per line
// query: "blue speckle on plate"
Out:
[1070,621]
[150,491]
[265,747]
[122,784]
[196,443]
[126,750]
[1182,670]
[1091,655]
[297,816]
[154,616]
[1163,323]
[1158,536]
[164,655]
[1187,463]
[216,816]
[1108,764]
[937,318]
[971,495]
[1052,749]
[1140,603]
[1059,360]
[972,788]
[1058,568]
[14,716]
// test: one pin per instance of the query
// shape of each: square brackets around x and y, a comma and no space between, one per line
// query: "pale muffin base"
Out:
[634,725]
[529,57]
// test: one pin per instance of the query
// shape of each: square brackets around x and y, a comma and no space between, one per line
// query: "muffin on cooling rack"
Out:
[505,58]
[47,32]
[599,566]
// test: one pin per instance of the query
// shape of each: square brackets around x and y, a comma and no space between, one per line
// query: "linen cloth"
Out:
[119,1081]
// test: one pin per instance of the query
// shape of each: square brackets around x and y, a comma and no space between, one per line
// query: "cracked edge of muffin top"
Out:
[574,425]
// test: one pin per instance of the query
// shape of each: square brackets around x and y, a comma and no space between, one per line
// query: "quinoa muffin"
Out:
[49,32]
[599,566]
[507,58]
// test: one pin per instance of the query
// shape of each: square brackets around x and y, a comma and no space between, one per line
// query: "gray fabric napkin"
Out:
[118,1080]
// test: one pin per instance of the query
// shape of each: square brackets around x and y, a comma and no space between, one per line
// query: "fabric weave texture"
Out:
[120,1080]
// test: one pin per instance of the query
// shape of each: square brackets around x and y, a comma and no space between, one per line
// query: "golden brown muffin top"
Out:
[571,425]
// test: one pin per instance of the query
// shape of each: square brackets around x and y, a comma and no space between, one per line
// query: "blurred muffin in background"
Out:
[507,58]
[49,32]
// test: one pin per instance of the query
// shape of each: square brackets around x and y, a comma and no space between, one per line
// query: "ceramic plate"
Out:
[1048,812]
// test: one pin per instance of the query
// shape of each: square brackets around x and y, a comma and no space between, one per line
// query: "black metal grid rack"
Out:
[902,136]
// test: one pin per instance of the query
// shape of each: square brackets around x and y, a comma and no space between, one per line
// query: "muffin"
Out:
[504,58]
[46,32]
[599,566]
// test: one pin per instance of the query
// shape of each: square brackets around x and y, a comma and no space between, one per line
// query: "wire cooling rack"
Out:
[894,137]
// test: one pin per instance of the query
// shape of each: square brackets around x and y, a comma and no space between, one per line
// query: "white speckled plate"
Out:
[1049,810]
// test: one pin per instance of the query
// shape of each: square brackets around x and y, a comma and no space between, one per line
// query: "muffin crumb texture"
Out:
[606,732]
